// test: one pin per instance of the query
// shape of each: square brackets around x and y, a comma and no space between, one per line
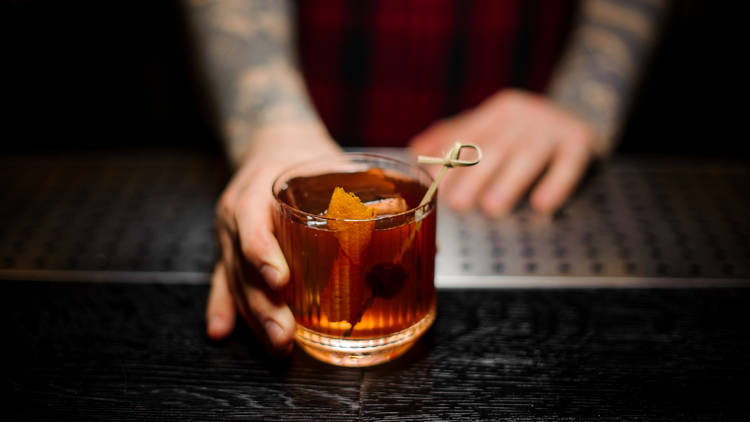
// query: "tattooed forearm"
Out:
[249,53]
[601,67]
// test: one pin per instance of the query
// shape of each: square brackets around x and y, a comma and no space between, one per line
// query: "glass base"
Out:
[361,352]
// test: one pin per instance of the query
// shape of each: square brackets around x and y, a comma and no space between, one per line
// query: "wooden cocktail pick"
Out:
[449,161]
[386,279]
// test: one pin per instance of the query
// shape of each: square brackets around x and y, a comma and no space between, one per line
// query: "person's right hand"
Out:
[252,269]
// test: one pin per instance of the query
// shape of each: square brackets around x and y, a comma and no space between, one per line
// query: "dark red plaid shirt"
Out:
[380,71]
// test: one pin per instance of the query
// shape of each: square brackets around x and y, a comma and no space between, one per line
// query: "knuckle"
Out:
[499,98]
[577,133]
[505,94]
[224,206]
[506,101]
[242,208]
[249,249]
[251,204]
[439,126]
[580,138]
[257,303]
[579,130]
[512,94]
[254,243]
[536,146]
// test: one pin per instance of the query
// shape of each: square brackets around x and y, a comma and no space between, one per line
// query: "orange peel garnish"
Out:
[353,236]
[347,205]
[344,297]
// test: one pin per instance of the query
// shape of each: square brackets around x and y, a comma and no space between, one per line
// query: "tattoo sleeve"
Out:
[248,52]
[601,67]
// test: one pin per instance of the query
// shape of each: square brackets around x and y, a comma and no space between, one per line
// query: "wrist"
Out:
[286,141]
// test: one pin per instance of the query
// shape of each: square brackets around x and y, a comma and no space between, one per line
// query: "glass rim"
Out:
[425,208]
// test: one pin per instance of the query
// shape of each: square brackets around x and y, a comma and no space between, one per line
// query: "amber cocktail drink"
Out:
[361,285]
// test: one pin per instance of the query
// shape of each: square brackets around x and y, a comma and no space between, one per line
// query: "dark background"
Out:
[90,74]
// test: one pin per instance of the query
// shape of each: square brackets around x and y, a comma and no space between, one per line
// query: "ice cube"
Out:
[392,205]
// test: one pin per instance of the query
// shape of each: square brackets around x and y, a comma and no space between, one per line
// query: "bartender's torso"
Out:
[379,72]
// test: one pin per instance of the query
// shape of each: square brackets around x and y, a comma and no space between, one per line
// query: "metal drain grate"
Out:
[142,212]
[154,213]
[632,219]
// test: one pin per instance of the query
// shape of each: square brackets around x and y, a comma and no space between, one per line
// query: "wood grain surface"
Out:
[104,351]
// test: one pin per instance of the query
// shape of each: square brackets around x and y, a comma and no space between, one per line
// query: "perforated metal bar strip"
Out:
[149,217]
[634,219]
[137,212]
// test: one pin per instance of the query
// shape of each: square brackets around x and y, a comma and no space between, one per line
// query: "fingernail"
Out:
[540,199]
[216,325]
[542,194]
[273,329]
[271,275]
[494,207]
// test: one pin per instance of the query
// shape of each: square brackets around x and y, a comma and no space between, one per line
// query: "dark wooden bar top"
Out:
[104,268]
[109,351]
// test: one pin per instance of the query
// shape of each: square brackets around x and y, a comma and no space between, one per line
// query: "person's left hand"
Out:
[521,136]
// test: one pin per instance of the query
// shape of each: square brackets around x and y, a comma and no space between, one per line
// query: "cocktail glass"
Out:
[362,291]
